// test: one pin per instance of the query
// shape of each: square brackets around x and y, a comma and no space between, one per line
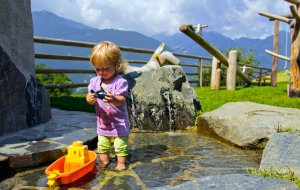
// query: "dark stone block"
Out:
[23,102]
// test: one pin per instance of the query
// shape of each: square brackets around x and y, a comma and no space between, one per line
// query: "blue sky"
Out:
[232,18]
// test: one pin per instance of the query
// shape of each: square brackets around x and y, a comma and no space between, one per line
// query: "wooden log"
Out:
[85,44]
[216,53]
[153,62]
[275,49]
[42,40]
[295,13]
[231,70]
[260,77]
[48,86]
[213,73]
[71,71]
[61,57]
[218,76]
[200,72]
[212,50]
[276,17]
[199,27]
[213,79]
[135,61]
[289,16]
[193,81]
[189,65]
[192,56]
[277,55]
[294,86]
[253,66]
[296,2]
[194,74]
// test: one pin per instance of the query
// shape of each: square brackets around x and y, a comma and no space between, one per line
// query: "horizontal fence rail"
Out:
[70,71]
[91,45]
[122,48]
[48,86]
[197,76]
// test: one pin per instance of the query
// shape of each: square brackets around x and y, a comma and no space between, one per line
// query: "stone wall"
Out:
[23,102]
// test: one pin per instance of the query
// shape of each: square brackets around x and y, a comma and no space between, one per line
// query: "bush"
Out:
[54,79]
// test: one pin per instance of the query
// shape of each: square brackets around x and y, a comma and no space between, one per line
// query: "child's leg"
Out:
[103,148]
[121,148]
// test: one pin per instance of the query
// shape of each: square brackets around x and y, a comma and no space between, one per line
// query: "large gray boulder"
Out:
[161,99]
[23,102]
[282,153]
[249,124]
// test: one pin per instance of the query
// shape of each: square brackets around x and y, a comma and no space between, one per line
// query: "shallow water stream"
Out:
[156,160]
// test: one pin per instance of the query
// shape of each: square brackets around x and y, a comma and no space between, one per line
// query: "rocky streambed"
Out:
[156,160]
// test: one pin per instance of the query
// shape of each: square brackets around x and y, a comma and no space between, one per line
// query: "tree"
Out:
[54,79]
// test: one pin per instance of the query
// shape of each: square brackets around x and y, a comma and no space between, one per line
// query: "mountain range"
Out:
[47,24]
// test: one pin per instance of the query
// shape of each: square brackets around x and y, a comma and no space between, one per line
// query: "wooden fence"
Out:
[197,77]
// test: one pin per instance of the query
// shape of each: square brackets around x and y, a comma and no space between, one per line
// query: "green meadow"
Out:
[210,100]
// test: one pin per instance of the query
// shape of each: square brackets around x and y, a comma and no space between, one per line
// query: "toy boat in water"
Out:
[78,162]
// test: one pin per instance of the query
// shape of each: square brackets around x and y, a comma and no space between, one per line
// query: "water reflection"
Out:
[156,160]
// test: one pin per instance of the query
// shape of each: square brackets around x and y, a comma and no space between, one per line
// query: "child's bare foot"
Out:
[103,165]
[120,167]
[121,163]
[104,160]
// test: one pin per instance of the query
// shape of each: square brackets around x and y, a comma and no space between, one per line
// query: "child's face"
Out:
[106,72]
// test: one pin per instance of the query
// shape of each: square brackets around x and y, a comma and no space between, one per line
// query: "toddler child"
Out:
[111,111]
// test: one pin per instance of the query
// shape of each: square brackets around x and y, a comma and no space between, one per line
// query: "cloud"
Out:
[230,17]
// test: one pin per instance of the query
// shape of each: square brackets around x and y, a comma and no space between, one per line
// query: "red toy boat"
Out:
[73,166]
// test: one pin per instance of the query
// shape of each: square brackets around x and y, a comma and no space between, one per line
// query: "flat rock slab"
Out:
[249,124]
[234,182]
[282,153]
[47,142]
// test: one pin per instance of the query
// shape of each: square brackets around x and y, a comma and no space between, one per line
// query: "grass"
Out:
[75,102]
[210,100]
[290,175]
[281,77]
[275,96]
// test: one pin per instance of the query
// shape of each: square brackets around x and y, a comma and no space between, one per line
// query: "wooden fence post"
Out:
[188,30]
[275,50]
[231,70]
[214,84]
[200,72]
[218,75]
[260,77]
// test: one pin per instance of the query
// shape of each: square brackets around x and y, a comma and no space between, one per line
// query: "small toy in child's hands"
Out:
[100,94]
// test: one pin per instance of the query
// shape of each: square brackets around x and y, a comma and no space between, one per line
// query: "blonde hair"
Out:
[107,53]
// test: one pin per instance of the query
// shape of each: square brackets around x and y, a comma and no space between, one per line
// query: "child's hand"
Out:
[90,98]
[115,100]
